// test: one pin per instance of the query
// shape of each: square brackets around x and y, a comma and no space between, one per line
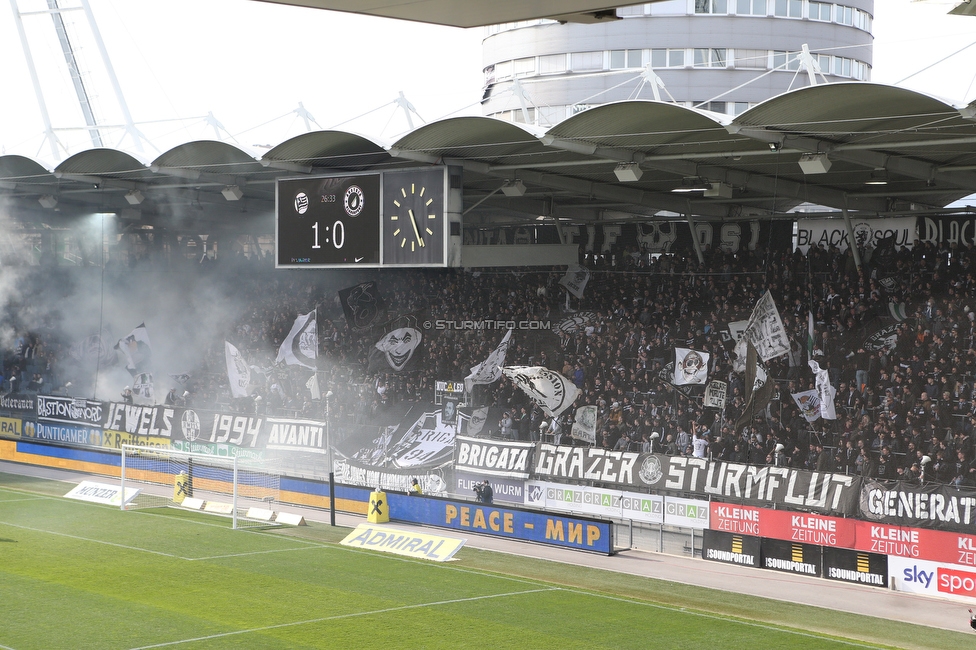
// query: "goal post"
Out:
[246,490]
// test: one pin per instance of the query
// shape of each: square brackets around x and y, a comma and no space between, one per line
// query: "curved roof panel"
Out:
[486,139]
[338,149]
[644,125]
[211,156]
[22,169]
[99,162]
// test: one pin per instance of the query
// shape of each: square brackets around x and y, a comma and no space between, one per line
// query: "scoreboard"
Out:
[405,217]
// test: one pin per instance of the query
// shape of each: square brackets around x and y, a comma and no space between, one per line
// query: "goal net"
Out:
[246,490]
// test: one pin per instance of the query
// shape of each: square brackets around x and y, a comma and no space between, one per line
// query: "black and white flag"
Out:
[550,390]
[489,370]
[361,304]
[238,373]
[399,349]
[301,345]
[766,333]
[136,350]
[142,388]
[825,391]
[808,402]
[575,279]
[690,367]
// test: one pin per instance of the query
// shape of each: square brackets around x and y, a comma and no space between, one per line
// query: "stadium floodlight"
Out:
[134,197]
[48,201]
[241,488]
[514,188]
[718,191]
[628,172]
[232,193]
[814,163]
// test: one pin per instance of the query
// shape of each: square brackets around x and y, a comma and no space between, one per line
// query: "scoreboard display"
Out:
[390,218]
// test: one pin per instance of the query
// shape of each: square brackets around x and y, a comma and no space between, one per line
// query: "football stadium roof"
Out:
[869,148]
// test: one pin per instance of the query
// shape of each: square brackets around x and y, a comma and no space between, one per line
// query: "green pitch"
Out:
[79,575]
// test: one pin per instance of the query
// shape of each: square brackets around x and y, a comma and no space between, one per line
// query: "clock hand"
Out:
[416,231]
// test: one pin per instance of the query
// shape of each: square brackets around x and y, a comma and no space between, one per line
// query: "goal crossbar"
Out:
[232,486]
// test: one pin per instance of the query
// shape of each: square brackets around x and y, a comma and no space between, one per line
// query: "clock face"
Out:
[413,217]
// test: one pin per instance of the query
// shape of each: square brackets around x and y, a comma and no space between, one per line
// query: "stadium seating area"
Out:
[897,336]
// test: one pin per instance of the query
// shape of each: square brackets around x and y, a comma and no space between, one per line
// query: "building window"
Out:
[635,10]
[503,70]
[738,108]
[587,61]
[862,20]
[667,58]
[788,8]
[552,64]
[820,11]
[750,59]
[750,7]
[550,115]
[786,60]
[842,66]
[625,59]
[715,107]
[711,7]
[710,57]
[524,67]
[844,15]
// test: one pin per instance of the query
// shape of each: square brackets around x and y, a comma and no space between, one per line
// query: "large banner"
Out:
[791,488]
[947,230]
[801,527]
[504,489]
[932,579]
[867,232]
[63,434]
[296,435]
[927,506]
[18,404]
[595,501]
[603,502]
[493,457]
[350,472]
[579,533]
[69,410]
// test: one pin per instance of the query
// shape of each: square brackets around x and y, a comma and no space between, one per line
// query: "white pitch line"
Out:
[93,541]
[273,550]
[727,619]
[342,616]
[3,501]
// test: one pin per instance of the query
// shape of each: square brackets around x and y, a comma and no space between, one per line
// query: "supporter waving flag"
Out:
[490,370]
[758,388]
[400,348]
[135,347]
[808,402]
[765,331]
[825,391]
[550,390]
[301,345]
[690,367]
[361,304]
[575,279]
[238,374]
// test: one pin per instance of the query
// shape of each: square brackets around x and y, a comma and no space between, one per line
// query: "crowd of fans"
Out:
[905,398]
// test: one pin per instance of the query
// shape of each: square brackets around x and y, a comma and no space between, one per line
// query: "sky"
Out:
[253,64]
